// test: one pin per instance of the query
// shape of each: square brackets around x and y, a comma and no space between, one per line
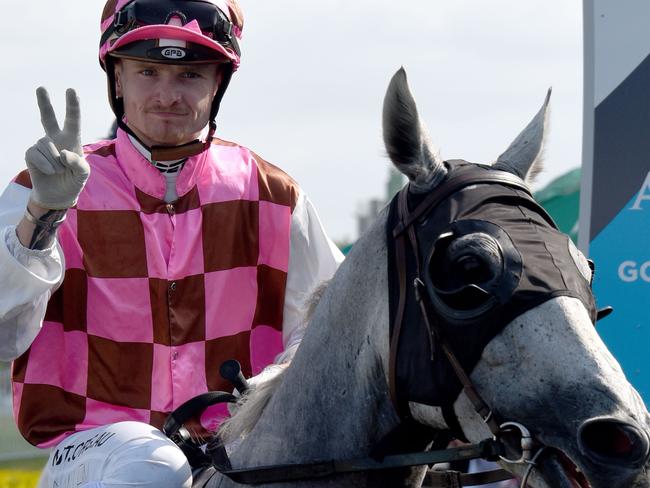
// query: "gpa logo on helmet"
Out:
[173,53]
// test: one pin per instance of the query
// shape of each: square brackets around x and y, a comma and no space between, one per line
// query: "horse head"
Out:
[509,296]
[466,312]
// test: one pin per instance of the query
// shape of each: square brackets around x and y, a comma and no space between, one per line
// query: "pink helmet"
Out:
[200,30]
[173,32]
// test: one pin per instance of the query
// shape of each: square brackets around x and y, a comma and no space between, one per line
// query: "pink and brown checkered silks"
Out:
[157,296]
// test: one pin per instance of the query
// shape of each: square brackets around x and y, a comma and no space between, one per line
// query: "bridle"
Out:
[410,270]
[405,237]
[212,460]
[394,450]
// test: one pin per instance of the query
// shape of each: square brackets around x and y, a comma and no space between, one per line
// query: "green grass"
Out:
[35,464]
[12,442]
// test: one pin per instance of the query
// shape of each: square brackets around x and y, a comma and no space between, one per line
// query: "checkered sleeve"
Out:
[33,275]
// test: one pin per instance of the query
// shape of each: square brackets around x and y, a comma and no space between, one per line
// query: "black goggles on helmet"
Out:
[139,13]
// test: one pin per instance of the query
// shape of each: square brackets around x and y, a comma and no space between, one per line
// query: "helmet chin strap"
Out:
[171,153]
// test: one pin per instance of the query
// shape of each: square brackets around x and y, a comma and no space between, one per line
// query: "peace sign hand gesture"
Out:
[56,162]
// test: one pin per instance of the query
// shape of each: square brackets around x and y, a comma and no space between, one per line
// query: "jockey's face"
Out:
[165,104]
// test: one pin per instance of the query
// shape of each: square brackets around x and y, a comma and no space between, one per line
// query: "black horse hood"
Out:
[475,289]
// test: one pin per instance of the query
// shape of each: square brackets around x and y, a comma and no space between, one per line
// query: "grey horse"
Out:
[547,369]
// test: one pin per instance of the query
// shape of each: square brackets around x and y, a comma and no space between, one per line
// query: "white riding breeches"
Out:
[121,455]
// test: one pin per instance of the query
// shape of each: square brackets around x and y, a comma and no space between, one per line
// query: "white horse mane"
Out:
[250,406]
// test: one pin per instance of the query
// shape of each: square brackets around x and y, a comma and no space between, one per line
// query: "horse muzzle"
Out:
[611,453]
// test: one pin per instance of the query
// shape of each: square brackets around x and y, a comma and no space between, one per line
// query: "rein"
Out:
[383,456]
[489,449]
[215,459]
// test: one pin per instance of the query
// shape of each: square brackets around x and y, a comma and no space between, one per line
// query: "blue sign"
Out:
[615,195]
[622,253]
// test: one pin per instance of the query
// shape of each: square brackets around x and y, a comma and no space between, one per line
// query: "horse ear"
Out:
[524,156]
[406,140]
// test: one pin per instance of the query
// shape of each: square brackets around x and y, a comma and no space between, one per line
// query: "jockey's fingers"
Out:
[48,117]
[72,113]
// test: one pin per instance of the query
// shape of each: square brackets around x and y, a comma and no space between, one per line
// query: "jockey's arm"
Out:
[35,274]
[29,277]
[31,262]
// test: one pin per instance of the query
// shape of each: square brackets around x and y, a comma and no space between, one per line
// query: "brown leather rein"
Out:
[492,449]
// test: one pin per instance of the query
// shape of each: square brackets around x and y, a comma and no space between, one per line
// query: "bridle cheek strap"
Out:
[468,387]
[435,335]
[405,225]
[400,403]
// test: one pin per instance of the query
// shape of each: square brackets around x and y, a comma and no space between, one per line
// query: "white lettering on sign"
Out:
[644,194]
[631,271]
[173,53]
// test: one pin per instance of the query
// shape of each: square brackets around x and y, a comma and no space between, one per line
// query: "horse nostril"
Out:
[613,442]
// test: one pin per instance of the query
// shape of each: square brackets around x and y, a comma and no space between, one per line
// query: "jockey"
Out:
[139,264]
